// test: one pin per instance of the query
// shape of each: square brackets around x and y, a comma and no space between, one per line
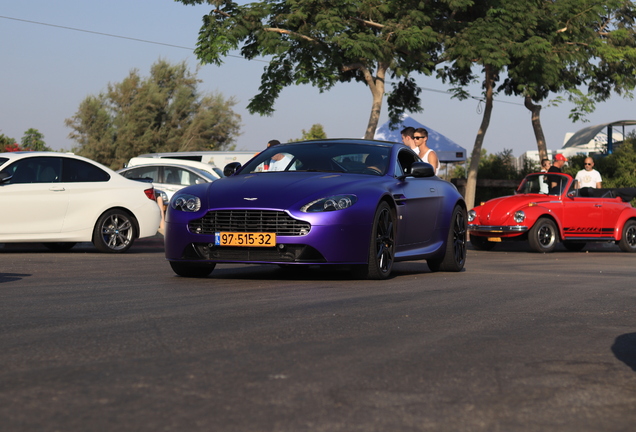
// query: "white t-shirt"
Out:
[425,159]
[543,184]
[588,178]
[279,165]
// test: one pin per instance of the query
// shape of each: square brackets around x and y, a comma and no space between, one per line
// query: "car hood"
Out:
[498,210]
[283,190]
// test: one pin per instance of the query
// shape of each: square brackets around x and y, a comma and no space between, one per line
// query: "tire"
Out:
[59,246]
[627,242]
[543,236]
[191,269]
[455,255]
[574,246]
[114,232]
[381,246]
[481,243]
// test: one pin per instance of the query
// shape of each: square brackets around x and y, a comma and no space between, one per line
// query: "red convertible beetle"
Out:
[548,208]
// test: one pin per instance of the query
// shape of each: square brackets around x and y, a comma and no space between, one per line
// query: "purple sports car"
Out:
[362,203]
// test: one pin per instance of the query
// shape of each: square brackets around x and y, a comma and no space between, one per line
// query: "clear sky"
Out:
[47,70]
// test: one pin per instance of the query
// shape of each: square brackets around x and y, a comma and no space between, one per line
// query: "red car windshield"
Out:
[544,183]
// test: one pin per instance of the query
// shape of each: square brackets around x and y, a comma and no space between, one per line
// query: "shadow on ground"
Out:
[624,349]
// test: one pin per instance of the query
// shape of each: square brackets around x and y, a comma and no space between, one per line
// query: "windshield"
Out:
[322,157]
[548,184]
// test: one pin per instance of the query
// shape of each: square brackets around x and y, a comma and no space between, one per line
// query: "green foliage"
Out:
[161,113]
[500,166]
[322,43]
[585,50]
[315,132]
[34,140]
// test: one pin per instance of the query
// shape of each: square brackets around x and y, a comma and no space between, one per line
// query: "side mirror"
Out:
[231,168]
[4,176]
[422,169]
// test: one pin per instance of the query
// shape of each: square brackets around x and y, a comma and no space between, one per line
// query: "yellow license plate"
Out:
[494,239]
[257,239]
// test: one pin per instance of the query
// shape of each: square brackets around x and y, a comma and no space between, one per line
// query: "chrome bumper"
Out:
[497,229]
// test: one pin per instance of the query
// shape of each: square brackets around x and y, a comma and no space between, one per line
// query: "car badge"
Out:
[250,199]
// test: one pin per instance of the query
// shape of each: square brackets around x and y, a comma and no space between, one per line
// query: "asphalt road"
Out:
[518,341]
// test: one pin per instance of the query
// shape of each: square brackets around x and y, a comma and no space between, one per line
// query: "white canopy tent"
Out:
[447,150]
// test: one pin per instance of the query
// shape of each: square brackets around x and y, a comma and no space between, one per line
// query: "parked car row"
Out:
[61,199]
[166,175]
[365,204]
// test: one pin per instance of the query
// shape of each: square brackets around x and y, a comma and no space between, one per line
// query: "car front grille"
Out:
[249,221]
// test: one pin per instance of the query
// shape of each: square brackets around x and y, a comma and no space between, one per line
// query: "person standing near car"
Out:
[407,138]
[555,181]
[543,180]
[426,154]
[588,176]
[545,165]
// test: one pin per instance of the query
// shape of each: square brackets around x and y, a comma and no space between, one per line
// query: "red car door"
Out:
[582,217]
[612,209]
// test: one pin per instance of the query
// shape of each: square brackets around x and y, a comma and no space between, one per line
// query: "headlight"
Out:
[519,216]
[332,203]
[186,203]
[472,214]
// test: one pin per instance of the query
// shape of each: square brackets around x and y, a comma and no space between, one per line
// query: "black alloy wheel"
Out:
[455,255]
[543,236]
[381,246]
[627,242]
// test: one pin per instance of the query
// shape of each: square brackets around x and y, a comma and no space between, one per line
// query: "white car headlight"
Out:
[332,203]
[186,203]
[472,214]
[519,216]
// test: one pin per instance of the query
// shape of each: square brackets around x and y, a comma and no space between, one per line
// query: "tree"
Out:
[163,112]
[568,45]
[316,132]
[541,47]
[8,144]
[34,140]
[323,43]
[479,36]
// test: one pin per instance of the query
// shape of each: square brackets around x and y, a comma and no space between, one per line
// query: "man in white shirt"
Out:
[279,162]
[588,177]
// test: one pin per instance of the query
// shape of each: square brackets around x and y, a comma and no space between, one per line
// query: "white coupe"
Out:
[60,199]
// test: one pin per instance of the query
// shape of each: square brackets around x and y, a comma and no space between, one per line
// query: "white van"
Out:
[218,158]
[151,160]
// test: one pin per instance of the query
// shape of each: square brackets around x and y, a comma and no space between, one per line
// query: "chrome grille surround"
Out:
[270,221]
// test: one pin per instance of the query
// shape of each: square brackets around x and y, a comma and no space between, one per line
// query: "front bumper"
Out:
[341,244]
[495,229]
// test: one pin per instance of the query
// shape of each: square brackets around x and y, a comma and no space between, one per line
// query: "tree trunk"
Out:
[471,182]
[376,84]
[536,127]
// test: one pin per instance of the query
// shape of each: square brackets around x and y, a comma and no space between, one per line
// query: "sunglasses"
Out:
[416,138]
[588,164]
